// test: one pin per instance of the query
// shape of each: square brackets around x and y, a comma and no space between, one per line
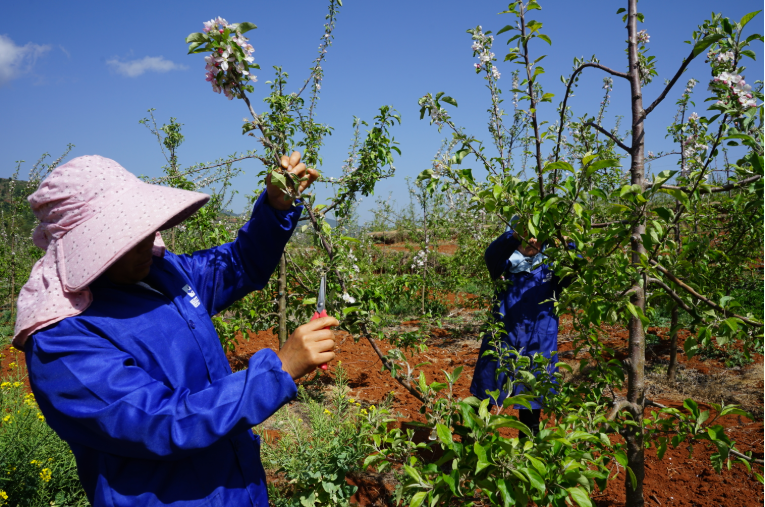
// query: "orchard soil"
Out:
[680,478]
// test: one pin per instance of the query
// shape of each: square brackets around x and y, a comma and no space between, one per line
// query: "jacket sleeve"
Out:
[224,274]
[498,253]
[92,393]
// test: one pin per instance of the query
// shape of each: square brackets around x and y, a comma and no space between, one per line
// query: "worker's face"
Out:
[134,266]
[531,249]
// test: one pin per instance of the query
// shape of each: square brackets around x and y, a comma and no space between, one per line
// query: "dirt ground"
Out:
[679,479]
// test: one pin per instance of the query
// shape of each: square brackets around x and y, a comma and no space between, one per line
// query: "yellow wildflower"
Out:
[41,417]
[5,385]
[12,365]
[326,411]
[372,408]
[3,495]
[352,400]
[363,412]
[17,384]
[46,474]
[7,419]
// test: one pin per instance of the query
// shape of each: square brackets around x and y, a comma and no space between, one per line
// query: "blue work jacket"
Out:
[139,386]
[525,308]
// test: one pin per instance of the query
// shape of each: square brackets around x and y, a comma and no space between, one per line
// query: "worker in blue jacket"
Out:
[133,376]
[525,306]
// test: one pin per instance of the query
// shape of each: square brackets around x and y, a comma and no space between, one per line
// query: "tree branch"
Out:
[695,294]
[607,224]
[669,86]
[671,294]
[618,407]
[610,136]
[565,99]
[712,190]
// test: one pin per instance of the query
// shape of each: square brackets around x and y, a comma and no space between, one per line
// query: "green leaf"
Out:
[692,406]
[245,27]
[621,9]
[545,38]
[309,301]
[621,457]
[749,53]
[449,100]
[679,195]
[540,467]
[602,164]
[504,29]
[580,496]
[535,480]
[349,309]
[444,434]
[413,473]
[507,493]
[483,460]
[747,18]
[198,37]
[418,498]
[558,165]
[704,43]
[633,479]
[279,180]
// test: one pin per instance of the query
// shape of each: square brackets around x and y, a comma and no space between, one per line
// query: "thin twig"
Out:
[610,136]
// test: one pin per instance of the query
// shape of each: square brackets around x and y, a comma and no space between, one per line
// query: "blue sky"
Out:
[85,72]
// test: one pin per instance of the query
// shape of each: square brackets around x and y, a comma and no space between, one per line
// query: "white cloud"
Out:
[134,68]
[17,60]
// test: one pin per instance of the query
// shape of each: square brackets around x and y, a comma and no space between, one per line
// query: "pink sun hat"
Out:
[91,211]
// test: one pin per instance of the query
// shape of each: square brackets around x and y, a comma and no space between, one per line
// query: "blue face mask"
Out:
[519,262]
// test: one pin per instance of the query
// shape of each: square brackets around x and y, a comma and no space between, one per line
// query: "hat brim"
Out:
[137,211]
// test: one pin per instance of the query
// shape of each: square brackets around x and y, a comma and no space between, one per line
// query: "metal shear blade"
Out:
[322,298]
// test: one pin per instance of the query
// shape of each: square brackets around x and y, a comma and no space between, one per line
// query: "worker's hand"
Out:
[308,347]
[292,164]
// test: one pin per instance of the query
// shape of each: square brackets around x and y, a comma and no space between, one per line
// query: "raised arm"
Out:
[498,253]
[222,275]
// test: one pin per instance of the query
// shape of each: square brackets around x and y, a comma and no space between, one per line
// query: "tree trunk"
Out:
[282,300]
[673,345]
[636,362]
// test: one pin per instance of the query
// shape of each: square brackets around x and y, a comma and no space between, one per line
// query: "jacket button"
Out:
[192,325]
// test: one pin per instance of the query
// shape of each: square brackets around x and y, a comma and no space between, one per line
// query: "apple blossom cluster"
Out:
[721,60]
[348,298]
[732,91]
[419,259]
[643,37]
[228,66]
[482,47]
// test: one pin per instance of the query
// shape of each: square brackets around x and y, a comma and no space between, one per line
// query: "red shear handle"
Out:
[317,315]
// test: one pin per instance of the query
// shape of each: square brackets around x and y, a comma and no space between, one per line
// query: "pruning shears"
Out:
[321,310]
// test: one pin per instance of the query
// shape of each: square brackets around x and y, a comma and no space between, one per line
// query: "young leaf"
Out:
[704,43]
[418,498]
[449,100]
[580,496]
[633,479]
[198,37]
[245,27]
